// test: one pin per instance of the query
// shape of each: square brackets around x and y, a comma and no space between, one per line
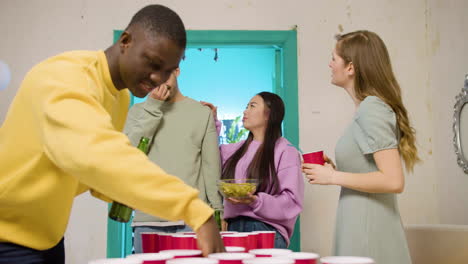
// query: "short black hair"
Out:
[159,20]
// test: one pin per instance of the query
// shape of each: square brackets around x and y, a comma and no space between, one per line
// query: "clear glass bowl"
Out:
[237,188]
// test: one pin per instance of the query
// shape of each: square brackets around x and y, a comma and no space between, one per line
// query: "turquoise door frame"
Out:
[119,236]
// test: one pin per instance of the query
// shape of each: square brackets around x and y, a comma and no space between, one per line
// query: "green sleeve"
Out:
[376,126]
[211,164]
[143,120]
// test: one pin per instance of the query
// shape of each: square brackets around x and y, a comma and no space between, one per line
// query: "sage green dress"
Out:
[369,224]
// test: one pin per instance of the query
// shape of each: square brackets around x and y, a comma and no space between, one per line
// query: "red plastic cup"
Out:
[150,242]
[236,240]
[304,257]
[266,239]
[184,253]
[165,241]
[270,252]
[180,241]
[231,258]
[192,261]
[314,158]
[151,258]
[232,249]
[275,260]
[252,240]
[346,260]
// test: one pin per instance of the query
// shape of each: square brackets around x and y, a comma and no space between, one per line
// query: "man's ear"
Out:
[177,72]
[124,41]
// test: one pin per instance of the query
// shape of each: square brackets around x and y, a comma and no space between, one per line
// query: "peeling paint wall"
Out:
[427,42]
[448,46]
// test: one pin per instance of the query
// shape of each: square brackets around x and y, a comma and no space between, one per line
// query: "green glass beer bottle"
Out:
[120,212]
[218,215]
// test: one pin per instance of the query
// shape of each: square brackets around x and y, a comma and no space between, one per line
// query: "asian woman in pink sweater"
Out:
[267,156]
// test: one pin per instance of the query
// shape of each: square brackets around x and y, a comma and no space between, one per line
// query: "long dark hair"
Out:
[262,166]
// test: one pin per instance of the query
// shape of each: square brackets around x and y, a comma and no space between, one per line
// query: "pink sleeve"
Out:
[226,150]
[291,194]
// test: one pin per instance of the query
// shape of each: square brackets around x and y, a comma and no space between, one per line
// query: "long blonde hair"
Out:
[374,77]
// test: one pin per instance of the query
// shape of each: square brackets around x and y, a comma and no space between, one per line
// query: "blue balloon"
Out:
[5,75]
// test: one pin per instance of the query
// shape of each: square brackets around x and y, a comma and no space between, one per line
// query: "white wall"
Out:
[86,236]
[448,42]
[427,41]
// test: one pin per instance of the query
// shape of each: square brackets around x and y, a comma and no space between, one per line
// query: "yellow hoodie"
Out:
[61,137]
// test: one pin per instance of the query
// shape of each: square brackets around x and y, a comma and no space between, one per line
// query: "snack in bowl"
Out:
[237,188]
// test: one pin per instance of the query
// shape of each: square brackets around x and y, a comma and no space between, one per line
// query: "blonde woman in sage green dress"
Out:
[369,155]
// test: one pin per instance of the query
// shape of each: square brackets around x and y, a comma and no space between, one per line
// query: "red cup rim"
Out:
[183,235]
[346,260]
[274,260]
[231,256]
[234,249]
[182,252]
[271,251]
[192,261]
[235,235]
[303,255]
[151,256]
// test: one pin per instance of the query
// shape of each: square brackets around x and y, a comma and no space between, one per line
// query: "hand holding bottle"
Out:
[120,212]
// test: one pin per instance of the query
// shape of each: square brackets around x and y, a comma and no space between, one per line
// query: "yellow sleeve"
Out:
[80,139]
[100,196]
[83,188]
